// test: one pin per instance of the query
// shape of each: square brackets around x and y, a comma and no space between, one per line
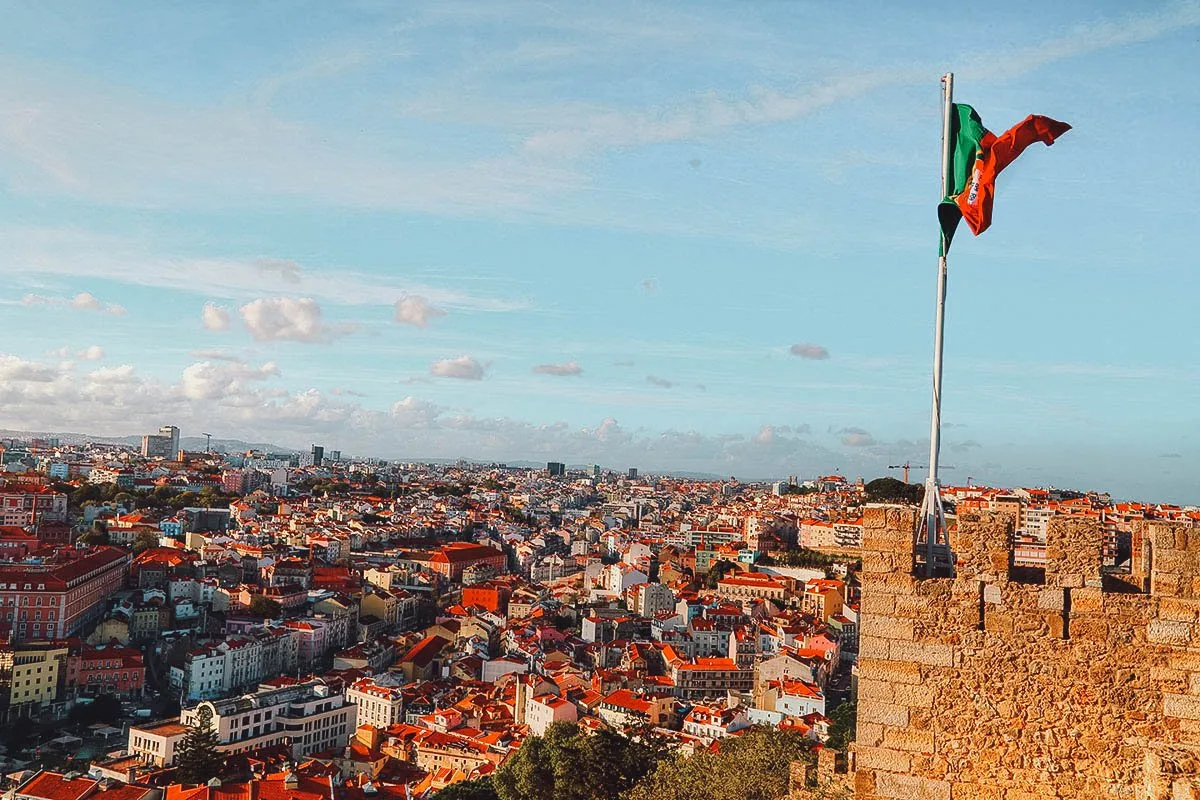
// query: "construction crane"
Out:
[906,466]
[208,445]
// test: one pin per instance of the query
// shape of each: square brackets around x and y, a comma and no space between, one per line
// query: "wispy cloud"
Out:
[856,437]
[812,352]
[35,253]
[84,301]
[566,369]
[662,383]
[415,310]
[463,367]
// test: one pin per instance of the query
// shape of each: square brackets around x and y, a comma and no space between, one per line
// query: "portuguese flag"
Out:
[977,157]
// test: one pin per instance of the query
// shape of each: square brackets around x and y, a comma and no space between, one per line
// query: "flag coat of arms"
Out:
[977,156]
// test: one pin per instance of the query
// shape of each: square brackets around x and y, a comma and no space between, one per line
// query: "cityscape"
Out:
[511,401]
[404,628]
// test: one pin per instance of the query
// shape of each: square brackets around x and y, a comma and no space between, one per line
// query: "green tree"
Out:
[94,536]
[481,789]
[753,766]
[570,764]
[845,722]
[265,607]
[197,760]
[144,541]
[890,490]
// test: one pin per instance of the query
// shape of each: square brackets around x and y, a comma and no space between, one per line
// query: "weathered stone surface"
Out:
[910,788]
[1043,702]
[1182,706]
[1177,634]
[882,758]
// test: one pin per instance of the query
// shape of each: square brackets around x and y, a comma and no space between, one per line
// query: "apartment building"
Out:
[311,717]
[56,598]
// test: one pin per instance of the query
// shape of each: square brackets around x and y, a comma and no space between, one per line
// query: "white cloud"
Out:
[812,352]
[412,309]
[215,354]
[569,368]
[84,301]
[13,368]
[288,270]
[295,319]
[91,353]
[464,367]
[214,317]
[34,253]
[125,373]
[856,437]
[205,380]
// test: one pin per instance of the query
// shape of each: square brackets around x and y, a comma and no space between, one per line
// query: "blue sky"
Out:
[694,236]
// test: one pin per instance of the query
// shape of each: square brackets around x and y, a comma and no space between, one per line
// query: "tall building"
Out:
[164,444]
[56,598]
[556,469]
[632,473]
[318,455]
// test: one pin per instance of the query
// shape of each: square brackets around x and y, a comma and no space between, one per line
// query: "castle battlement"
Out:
[1006,681]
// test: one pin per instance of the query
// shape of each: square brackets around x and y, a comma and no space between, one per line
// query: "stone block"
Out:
[913,607]
[1181,706]
[869,689]
[991,594]
[898,583]
[882,759]
[1087,599]
[879,562]
[1185,659]
[869,734]
[878,603]
[888,628]
[905,787]
[932,654]
[1166,584]
[1051,599]
[874,516]
[892,671]
[883,714]
[909,740]
[904,694]
[871,647]
[998,622]
[1175,634]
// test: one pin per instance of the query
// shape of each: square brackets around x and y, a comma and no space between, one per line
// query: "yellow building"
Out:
[36,670]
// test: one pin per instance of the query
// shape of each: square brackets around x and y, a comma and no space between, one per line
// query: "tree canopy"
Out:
[753,766]
[265,607]
[570,764]
[197,760]
[891,490]
[845,722]
[481,789]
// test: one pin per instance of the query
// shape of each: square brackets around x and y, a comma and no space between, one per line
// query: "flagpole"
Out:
[932,535]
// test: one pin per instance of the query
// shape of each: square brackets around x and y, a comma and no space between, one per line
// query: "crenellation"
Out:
[1068,688]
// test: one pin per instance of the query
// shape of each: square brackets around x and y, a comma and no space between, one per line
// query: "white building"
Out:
[544,710]
[380,701]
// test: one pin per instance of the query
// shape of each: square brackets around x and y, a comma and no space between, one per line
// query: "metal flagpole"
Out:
[932,551]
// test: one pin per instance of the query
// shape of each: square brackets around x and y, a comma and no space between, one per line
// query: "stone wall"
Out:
[1003,683]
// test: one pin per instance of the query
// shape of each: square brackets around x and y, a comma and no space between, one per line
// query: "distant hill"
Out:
[193,443]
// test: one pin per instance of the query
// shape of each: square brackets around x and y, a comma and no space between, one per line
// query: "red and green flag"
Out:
[977,157]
